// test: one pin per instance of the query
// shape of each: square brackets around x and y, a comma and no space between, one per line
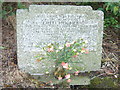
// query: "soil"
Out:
[13,77]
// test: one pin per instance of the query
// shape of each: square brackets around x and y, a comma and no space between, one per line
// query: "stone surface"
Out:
[78,80]
[43,24]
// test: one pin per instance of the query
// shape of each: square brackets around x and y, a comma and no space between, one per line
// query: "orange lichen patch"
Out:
[69,80]
[38,60]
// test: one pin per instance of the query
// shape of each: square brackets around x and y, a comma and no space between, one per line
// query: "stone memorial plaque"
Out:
[44,24]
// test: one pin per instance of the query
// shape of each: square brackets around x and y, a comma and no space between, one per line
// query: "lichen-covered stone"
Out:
[43,24]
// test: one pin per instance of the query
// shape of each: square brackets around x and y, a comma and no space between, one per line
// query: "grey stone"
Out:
[43,24]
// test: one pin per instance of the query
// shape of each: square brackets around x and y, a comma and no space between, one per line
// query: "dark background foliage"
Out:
[111,44]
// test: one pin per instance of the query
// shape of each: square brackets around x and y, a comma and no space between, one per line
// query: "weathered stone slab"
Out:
[78,80]
[43,24]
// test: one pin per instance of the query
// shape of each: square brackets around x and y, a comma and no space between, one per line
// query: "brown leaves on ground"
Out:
[13,77]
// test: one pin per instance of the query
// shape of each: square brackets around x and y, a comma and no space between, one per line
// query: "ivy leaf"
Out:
[115,9]
[100,9]
[20,5]
[2,47]
[108,5]
[117,26]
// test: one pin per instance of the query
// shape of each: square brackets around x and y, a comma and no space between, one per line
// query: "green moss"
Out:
[106,82]
[96,81]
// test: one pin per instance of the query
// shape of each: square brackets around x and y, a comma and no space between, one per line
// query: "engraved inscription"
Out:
[50,28]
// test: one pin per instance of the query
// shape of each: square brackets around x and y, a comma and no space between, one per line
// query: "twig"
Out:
[98,76]
[37,74]
[105,53]
[115,56]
